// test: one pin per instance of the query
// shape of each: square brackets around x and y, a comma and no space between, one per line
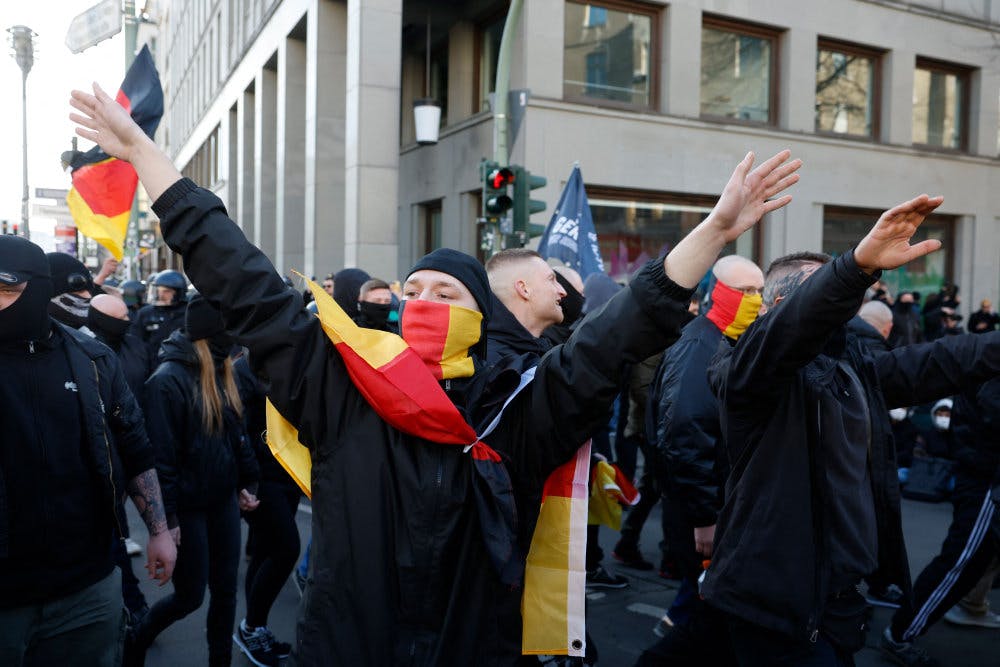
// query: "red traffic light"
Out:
[500,178]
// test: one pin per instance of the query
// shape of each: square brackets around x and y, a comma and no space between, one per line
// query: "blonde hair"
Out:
[212,402]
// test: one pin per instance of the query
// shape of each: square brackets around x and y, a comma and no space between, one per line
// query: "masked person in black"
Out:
[194,415]
[374,305]
[73,287]
[73,441]
[156,321]
[419,541]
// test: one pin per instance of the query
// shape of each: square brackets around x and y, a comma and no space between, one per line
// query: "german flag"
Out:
[104,187]
[732,310]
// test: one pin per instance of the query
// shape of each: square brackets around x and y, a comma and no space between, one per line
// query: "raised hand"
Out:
[106,123]
[887,245]
[747,196]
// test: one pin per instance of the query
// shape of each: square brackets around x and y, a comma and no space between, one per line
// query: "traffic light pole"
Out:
[501,88]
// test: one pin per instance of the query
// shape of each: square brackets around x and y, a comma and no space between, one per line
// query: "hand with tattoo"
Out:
[161,552]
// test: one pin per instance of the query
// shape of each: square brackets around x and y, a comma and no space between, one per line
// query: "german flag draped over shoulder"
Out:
[403,387]
[103,187]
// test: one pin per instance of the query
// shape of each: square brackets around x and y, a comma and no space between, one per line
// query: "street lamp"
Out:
[22,44]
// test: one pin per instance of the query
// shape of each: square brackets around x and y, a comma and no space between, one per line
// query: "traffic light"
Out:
[496,180]
[16,229]
[524,205]
[3,224]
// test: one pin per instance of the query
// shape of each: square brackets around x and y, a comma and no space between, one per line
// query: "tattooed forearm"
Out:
[144,489]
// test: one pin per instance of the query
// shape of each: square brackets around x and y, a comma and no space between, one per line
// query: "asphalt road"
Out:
[621,621]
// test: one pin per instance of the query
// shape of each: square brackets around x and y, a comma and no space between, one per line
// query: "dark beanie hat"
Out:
[464,267]
[21,260]
[202,320]
[347,287]
[68,274]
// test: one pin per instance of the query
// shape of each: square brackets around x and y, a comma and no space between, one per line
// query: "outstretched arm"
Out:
[746,198]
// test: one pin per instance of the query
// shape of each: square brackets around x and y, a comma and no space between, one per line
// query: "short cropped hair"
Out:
[373,284]
[787,273]
[509,256]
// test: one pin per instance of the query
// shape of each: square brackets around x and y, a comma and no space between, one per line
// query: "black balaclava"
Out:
[470,273]
[374,315]
[347,288]
[27,319]
[109,330]
[572,303]
[70,309]
[68,274]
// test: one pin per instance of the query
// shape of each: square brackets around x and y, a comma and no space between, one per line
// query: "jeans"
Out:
[85,628]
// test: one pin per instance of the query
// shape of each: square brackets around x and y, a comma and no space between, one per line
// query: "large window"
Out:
[430,226]
[847,90]
[608,53]
[940,104]
[635,226]
[844,227]
[488,38]
[738,71]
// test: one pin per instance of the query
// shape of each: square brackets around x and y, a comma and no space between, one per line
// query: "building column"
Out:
[245,162]
[797,80]
[680,61]
[265,140]
[291,163]
[326,67]
[897,104]
[371,143]
[232,171]
[538,55]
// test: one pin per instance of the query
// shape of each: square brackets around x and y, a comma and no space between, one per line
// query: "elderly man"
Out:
[417,556]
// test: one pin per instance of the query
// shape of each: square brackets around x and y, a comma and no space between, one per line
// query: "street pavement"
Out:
[620,621]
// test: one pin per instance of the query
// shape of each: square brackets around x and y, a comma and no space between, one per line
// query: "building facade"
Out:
[298,114]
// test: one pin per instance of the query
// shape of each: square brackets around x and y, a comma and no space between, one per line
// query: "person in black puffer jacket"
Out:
[208,473]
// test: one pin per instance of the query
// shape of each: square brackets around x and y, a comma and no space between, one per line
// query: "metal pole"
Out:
[501,152]
[26,230]
[132,236]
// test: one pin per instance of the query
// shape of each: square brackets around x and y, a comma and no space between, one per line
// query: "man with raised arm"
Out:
[417,558]
[812,501]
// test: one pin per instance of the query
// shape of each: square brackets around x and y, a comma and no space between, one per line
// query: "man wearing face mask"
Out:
[73,287]
[108,319]
[374,306]
[690,458]
[73,435]
[421,509]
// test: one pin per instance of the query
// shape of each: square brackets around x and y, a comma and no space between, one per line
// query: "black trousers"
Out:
[208,556]
[966,553]
[276,548]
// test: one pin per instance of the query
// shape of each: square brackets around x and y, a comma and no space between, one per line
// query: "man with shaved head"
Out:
[107,319]
[689,455]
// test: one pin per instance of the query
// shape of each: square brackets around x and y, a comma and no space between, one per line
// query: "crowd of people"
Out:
[777,415]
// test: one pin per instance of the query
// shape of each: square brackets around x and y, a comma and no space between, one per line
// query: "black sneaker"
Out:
[281,649]
[258,645]
[905,653]
[601,578]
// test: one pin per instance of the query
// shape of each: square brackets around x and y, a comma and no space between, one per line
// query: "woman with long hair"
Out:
[208,473]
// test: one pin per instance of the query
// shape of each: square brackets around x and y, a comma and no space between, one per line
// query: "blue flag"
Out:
[570,235]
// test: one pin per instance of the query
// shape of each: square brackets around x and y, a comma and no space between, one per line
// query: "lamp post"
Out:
[22,42]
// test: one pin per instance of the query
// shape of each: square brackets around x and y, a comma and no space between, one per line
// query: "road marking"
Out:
[305,508]
[647,610]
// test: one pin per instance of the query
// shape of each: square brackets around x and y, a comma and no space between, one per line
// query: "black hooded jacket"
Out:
[400,574]
[508,338]
[196,469]
[153,324]
[975,431]
[790,417]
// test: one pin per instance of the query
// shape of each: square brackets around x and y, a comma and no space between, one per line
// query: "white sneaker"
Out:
[960,616]
[132,548]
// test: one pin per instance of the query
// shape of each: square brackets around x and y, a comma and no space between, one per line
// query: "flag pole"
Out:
[131,27]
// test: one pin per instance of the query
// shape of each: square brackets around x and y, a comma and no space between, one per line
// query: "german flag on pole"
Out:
[104,187]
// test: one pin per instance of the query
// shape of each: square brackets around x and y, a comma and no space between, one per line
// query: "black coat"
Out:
[906,327]
[196,469]
[154,324]
[508,338]
[688,434]
[975,431]
[253,393]
[771,556]
[400,573]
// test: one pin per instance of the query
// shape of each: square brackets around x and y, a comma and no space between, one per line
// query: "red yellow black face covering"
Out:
[441,334]
[732,310]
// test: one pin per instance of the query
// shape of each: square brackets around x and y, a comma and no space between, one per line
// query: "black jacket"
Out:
[112,446]
[196,469]
[134,357]
[771,560]
[253,393]
[906,327]
[508,338]
[688,435]
[975,431]
[867,336]
[154,324]
[400,574]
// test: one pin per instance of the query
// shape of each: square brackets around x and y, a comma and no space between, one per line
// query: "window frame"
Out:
[477,45]
[964,74]
[654,13]
[750,29]
[851,48]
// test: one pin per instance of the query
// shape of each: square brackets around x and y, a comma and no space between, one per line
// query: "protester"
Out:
[208,471]
[328,284]
[873,326]
[156,321]
[812,498]
[985,319]
[73,287]
[134,295]
[73,435]
[425,568]
[906,329]
[972,542]
[374,306]
[347,288]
